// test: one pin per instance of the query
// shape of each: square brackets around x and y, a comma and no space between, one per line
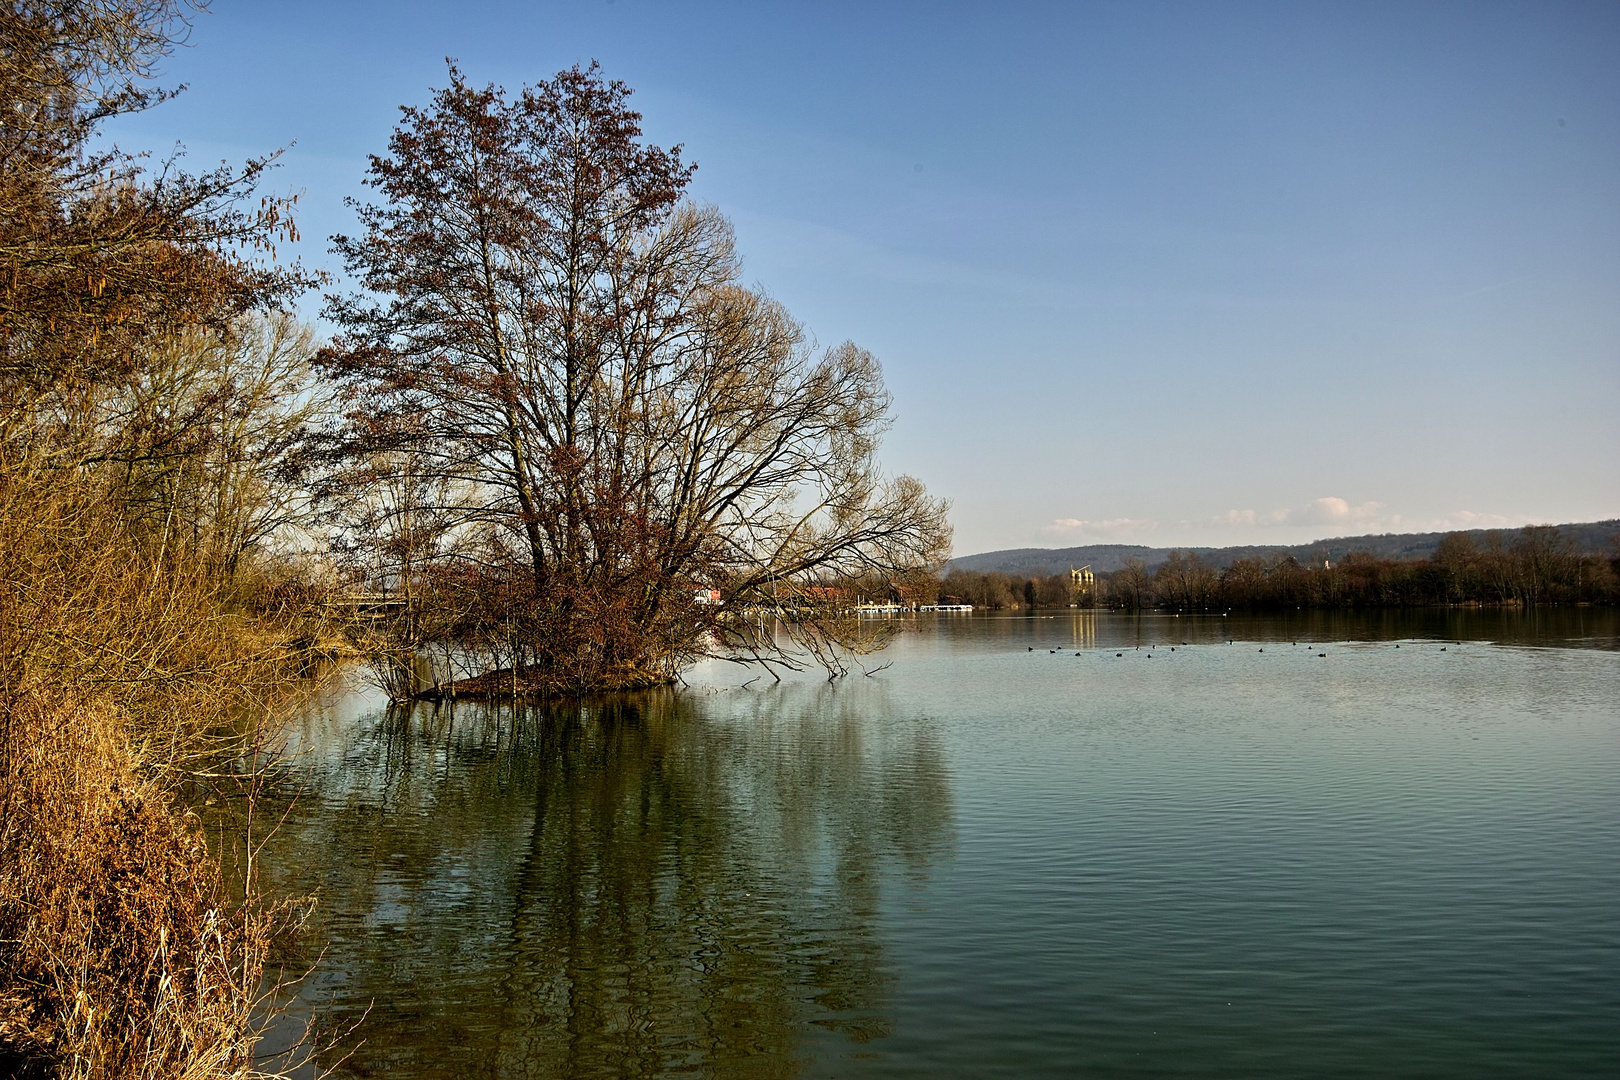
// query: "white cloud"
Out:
[1467,519]
[1120,529]
[1336,515]
[1335,511]
[1330,510]
[1317,519]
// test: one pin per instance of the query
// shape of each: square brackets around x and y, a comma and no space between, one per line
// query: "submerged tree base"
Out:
[530,684]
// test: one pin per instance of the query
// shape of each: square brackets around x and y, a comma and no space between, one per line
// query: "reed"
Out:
[125,672]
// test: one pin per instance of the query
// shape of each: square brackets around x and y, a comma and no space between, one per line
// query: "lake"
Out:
[1064,844]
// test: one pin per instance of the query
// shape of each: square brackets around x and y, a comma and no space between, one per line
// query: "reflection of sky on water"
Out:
[997,857]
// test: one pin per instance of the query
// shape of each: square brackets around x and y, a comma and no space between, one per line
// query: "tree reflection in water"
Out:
[650,884]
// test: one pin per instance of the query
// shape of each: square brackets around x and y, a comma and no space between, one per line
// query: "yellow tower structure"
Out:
[1082,585]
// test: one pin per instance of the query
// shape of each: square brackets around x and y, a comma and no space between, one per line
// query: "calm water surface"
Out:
[993,859]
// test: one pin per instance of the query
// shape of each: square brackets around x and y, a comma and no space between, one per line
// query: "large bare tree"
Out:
[548,325]
[104,256]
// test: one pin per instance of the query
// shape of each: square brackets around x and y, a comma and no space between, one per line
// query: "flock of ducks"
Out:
[1173,648]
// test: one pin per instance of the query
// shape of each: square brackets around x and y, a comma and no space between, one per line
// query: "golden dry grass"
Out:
[123,953]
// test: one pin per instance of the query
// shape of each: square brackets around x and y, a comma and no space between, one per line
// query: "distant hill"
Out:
[1106,558]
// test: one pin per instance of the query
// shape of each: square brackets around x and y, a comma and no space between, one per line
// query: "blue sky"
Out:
[1160,273]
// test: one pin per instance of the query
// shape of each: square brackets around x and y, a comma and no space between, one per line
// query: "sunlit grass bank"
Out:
[125,673]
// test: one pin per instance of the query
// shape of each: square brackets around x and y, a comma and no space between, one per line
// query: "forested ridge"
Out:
[1593,537]
[1540,564]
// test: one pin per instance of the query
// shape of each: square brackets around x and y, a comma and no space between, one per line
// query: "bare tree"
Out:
[1547,561]
[550,330]
[203,438]
[1185,581]
[1130,583]
[100,256]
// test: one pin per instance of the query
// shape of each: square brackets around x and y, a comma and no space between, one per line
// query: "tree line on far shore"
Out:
[1536,565]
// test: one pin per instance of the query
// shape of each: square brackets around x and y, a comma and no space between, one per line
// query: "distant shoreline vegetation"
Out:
[1536,565]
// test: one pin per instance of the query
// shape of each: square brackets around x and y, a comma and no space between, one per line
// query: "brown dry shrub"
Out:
[123,953]
[123,956]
